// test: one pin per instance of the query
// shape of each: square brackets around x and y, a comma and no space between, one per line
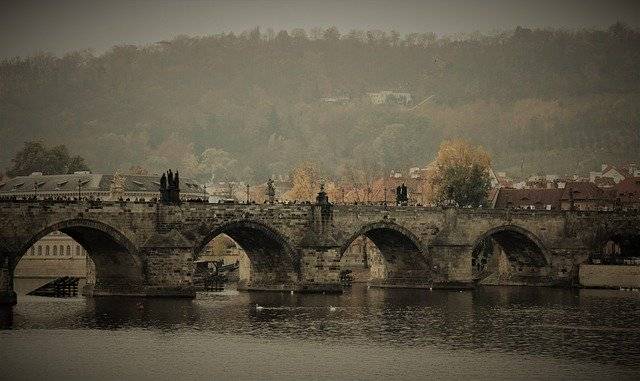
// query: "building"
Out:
[53,256]
[499,179]
[627,194]
[604,182]
[95,186]
[581,195]
[390,97]
[617,173]
[336,100]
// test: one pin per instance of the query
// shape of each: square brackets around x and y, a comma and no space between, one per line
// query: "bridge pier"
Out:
[168,267]
[7,295]
[452,267]
[264,275]
[165,269]
[320,270]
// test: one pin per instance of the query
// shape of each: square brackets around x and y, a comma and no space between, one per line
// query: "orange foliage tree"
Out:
[458,175]
[305,183]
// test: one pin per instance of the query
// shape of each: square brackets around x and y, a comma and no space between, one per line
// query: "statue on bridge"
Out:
[322,197]
[170,188]
[271,192]
[402,197]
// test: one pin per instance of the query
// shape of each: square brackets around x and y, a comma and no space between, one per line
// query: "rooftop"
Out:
[88,182]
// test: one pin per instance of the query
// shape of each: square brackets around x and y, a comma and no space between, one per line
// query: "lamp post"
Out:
[247,194]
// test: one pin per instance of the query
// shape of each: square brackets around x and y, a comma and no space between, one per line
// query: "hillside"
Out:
[248,106]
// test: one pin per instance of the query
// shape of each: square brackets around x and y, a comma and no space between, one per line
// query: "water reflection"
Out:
[6,317]
[584,325]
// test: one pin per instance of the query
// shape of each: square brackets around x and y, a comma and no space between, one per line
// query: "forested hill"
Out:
[250,104]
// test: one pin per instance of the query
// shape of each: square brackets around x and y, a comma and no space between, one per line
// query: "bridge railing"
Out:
[96,203]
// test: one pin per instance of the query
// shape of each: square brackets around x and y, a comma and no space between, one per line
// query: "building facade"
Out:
[390,97]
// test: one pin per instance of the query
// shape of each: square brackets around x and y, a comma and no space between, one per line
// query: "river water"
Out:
[489,333]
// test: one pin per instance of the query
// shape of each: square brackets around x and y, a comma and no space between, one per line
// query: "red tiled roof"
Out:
[628,190]
[604,182]
[627,168]
[582,190]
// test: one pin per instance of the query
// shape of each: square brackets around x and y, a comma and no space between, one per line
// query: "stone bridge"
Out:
[148,249]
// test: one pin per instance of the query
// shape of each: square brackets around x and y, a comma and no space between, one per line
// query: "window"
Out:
[33,251]
[55,250]
[46,250]
[39,249]
[68,250]
[61,249]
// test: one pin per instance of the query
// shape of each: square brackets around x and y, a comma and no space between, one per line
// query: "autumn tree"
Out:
[459,176]
[305,183]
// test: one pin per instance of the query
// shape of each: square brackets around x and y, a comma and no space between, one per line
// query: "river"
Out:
[370,334]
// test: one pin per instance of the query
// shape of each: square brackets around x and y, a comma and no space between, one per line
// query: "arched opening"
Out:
[387,254]
[618,248]
[74,257]
[265,259]
[508,255]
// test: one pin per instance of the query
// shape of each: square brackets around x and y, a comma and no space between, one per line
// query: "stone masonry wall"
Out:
[314,242]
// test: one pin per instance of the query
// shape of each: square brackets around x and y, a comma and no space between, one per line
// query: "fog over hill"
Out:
[251,104]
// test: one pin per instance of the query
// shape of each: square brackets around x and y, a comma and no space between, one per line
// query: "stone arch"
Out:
[115,257]
[79,223]
[404,259]
[272,260]
[524,250]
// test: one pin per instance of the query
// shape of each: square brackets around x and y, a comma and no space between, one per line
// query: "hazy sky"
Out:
[59,26]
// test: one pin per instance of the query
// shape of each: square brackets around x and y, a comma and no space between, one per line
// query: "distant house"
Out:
[610,171]
[417,172]
[627,194]
[630,169]
[499,179]
[390,97]
[586,196]
[604,182]
[336,100]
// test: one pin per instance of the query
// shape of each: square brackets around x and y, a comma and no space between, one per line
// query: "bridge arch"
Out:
[117,264]
[270,259]
[403,259]
[525,252]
